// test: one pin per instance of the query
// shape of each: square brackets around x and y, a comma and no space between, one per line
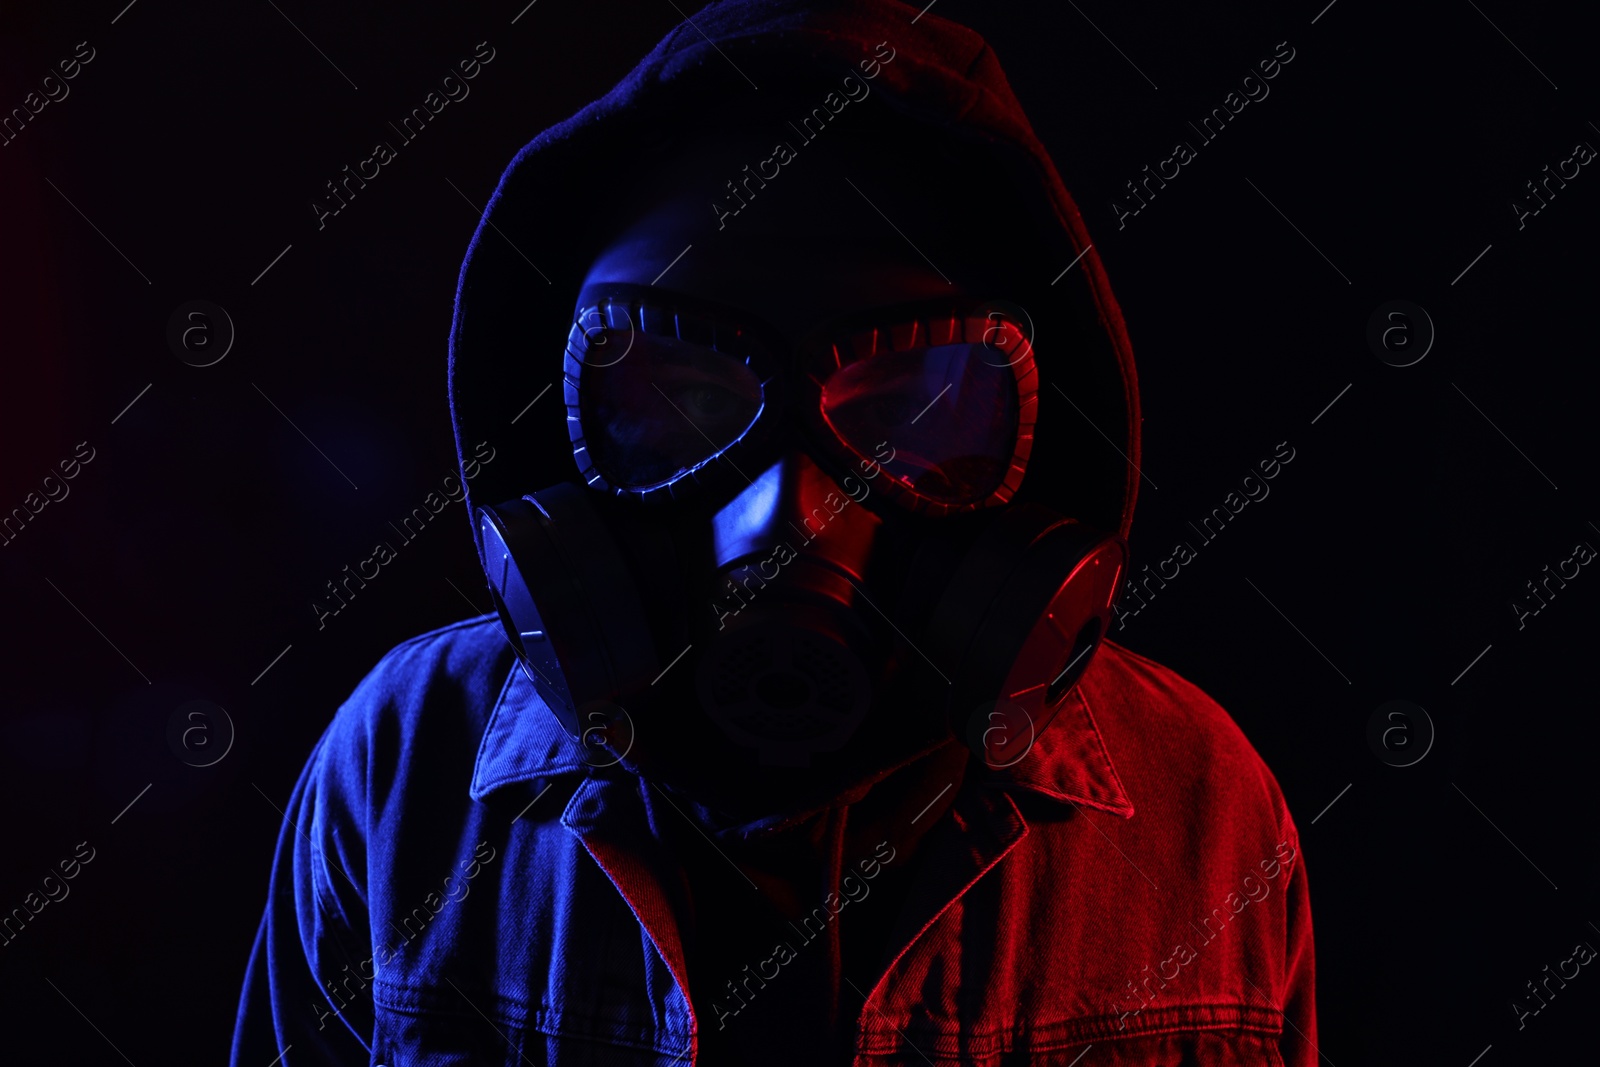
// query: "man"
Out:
[794,739]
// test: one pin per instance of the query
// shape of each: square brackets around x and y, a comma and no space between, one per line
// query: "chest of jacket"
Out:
[1014,943]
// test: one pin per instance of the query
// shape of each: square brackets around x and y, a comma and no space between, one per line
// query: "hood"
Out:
[554,206]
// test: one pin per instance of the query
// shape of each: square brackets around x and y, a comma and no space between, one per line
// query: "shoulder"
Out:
[1204,850]
[470,652]
[419,713]
[1129,684]
[1172,743]
[441,670]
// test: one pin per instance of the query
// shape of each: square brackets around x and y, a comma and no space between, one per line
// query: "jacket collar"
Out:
[523,742]
[1068,762]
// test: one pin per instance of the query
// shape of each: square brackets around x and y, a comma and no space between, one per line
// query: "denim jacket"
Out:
[453,884]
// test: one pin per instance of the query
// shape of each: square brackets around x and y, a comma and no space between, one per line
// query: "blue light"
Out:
[745,524]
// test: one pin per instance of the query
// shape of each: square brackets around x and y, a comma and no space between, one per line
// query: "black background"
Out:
[191,547]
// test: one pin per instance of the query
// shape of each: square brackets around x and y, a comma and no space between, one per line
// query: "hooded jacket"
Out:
[454,883]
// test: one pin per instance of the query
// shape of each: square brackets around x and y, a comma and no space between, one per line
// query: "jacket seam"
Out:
[419,1001]
[1213,1016]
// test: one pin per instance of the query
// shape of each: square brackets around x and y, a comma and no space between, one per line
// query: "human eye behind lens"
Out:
[707,402]
[713,394]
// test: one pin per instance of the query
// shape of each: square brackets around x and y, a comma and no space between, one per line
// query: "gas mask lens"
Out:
[668,407]
[949,415]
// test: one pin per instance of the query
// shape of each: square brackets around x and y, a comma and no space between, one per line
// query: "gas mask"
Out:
[797,534]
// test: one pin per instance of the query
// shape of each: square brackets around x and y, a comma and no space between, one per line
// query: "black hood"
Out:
[556,202]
